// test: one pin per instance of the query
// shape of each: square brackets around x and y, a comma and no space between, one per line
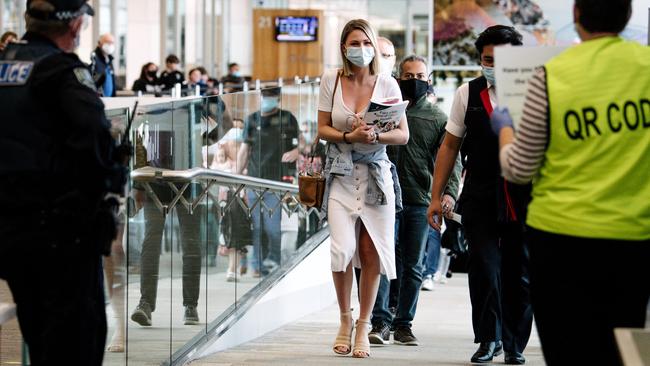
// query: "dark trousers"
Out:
[579,297]
[151,246]
[499,285]
[411,232]
[59,295]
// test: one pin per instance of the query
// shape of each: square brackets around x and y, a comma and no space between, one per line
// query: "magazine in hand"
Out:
[385,114]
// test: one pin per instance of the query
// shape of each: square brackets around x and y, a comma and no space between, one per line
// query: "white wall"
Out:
[143,37]
[240,43]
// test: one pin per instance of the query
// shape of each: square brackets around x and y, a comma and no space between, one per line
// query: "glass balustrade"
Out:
[210,216]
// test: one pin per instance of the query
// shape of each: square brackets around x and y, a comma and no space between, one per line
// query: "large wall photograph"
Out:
[457,23]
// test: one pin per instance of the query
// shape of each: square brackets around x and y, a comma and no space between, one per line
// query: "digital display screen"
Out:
[296,29]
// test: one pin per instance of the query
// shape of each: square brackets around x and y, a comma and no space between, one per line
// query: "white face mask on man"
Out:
[360,56]
[108,48]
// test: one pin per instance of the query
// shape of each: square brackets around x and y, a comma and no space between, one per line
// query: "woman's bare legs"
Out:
[115,272]
[368,285]
[343,286]
[232,264]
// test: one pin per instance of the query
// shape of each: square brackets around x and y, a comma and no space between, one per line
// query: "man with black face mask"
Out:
[414,162]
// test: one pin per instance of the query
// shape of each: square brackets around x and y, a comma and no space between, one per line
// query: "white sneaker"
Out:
[427,284]
[231,277]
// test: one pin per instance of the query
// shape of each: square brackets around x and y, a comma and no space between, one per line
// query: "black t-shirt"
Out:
[269,137]
[169,79]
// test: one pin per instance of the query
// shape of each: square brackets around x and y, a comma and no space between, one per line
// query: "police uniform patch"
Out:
[84,77]
[15,73]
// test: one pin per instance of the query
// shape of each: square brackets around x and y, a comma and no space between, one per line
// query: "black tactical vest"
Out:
[486,196]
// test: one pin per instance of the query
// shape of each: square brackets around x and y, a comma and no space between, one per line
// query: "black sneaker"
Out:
[191,316]
[380,334]
[142,314]
[404,336]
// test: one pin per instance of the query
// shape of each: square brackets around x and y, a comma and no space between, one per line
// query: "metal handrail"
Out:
[151,174]
[285,192]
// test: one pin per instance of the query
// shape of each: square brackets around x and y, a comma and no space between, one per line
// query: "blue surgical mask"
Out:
[236,74]
[488,72]
[360,56]
[269,104]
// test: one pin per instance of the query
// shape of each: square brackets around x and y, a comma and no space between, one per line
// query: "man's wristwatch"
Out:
[376,141]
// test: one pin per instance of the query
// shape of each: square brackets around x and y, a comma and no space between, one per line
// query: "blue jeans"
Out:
[411,230]
[267,232]
[432,253]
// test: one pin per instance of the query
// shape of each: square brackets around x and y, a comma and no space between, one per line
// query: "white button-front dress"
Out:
[347,208]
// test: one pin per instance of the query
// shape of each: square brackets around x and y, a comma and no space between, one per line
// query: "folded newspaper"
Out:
[386,114]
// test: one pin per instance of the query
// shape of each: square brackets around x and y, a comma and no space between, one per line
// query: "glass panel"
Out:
[115,273]
[188,305]
[202,246]
[245,131]
[309,223]
[150,239]
[219,154]
[269,141]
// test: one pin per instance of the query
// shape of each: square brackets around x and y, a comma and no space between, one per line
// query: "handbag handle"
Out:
[317,138]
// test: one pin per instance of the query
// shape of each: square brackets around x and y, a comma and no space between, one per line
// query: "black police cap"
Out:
[63,9]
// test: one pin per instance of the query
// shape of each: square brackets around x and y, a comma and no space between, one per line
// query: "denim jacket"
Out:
[342,163]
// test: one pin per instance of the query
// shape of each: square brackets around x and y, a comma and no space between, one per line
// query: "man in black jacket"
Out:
[172,74]
[494,214]
[101,64]
[57,163]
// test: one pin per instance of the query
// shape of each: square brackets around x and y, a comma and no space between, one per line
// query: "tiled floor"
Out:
[442,324]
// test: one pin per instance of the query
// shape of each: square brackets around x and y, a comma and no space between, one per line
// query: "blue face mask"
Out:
[236,74]
[488,72]
[269,104]
[360,56]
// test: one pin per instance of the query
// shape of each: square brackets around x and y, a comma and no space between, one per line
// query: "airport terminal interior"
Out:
[217,262]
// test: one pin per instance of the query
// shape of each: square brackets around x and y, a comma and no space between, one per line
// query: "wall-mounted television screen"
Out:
[296,29]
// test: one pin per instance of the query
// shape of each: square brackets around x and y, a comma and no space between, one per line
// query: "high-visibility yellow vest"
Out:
[595,178]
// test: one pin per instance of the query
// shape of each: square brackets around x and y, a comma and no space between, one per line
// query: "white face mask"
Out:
[386,66]
[108,48]
[360,56]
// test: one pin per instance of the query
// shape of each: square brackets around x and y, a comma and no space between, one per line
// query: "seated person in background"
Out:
[233,81]
[148,81]
[7,37]
[172,74]
[211,83]
[194,79]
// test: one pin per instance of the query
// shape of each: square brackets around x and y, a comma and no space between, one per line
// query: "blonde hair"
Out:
[365,27]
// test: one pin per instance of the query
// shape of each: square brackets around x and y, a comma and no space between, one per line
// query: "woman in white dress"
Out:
[360,196]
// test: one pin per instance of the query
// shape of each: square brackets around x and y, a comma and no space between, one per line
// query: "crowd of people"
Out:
[567,188]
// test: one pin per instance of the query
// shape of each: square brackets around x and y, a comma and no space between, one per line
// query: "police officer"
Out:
[585,135]
[57,164]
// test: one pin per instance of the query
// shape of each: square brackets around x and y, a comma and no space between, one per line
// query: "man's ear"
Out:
[75,25]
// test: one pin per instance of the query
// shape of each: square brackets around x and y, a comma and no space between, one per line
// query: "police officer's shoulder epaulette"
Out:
[84,77]
[79,69]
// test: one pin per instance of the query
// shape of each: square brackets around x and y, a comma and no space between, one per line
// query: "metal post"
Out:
[408,34]
[432,15]
[163,31]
